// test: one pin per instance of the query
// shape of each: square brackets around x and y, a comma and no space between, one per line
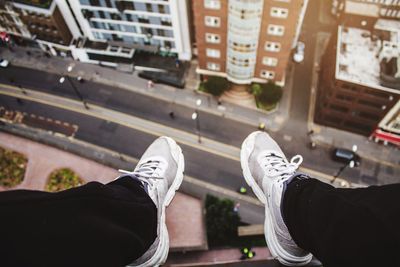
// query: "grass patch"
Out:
[12,167]
[63,179]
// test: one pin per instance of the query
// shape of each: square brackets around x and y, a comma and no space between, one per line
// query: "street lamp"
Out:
[195,117]
[62,80]
[350,164]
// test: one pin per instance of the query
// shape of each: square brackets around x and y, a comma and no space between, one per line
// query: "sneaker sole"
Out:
[270,236]
[161,254]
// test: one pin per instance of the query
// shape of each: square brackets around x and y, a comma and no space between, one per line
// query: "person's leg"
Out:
[266,170]
[344,227]
[118,224]
[92,225]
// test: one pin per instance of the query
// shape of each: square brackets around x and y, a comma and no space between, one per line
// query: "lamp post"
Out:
[62,80]
[195,117]
[350,164]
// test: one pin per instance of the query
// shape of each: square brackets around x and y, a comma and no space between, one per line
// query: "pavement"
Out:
[186,233]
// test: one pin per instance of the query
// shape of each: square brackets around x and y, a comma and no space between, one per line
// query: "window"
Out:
[213,66]
[272,46]
[270,61]
[277,30]
[213,53]
[278,12]
[212,21]
[267,74]
[213,38]
[212,4]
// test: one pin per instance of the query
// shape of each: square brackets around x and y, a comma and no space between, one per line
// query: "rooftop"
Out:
[362,9]
[363,56]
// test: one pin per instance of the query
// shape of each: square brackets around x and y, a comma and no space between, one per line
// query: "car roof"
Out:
[344,153]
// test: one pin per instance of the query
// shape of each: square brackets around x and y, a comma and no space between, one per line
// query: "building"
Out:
[360,78]
[49,22]
[365,13]
[246,41]
[10,21]
[114,30]
[388,130]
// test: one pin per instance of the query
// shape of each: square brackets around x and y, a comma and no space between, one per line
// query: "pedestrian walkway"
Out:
[186,232]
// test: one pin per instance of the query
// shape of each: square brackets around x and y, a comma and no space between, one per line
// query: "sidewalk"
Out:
[132,82]
[185,233]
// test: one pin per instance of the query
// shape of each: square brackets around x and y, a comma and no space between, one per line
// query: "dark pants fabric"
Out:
[345,227]
[92,225]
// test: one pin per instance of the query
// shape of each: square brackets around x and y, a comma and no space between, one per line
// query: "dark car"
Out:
[345,156]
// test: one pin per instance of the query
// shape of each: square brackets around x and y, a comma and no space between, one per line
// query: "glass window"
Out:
[213,53]
[267,74]
[213,66]
[270,61]
[278,12]
[277,30]
[272,46]
[212,21]
[212,4]
[213,38]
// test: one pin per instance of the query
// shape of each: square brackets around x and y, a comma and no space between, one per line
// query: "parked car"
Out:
[298,55]
[345,156]
[4,63]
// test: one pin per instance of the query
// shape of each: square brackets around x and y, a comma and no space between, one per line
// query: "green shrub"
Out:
[215,85]
[270,95]
[256,89]
[12,167]
[62,179]
[222,222]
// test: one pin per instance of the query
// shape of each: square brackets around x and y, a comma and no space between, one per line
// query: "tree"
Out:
[271,94]
[216,85]
[222,222]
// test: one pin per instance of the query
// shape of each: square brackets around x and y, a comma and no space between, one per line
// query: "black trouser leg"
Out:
[345,227]
[92,225]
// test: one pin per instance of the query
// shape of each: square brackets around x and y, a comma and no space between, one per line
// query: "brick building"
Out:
[246,41]
[360,77]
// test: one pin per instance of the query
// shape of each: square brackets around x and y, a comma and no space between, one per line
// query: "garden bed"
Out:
[12,168]
[62,179]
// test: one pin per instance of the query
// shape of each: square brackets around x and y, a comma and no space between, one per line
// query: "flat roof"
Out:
[358,55]
[361,8]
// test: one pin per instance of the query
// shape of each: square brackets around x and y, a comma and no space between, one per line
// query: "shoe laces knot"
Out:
[278,166]
[146,172]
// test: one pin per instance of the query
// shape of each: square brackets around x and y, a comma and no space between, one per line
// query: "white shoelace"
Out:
[277,166]
[145,172]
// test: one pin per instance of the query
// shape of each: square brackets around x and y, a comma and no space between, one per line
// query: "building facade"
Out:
[246,41]
[49,22]
[365,12]
[117,28]
[360,77]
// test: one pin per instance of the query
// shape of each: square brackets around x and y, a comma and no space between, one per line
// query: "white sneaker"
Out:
[267,171]
[161,171]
